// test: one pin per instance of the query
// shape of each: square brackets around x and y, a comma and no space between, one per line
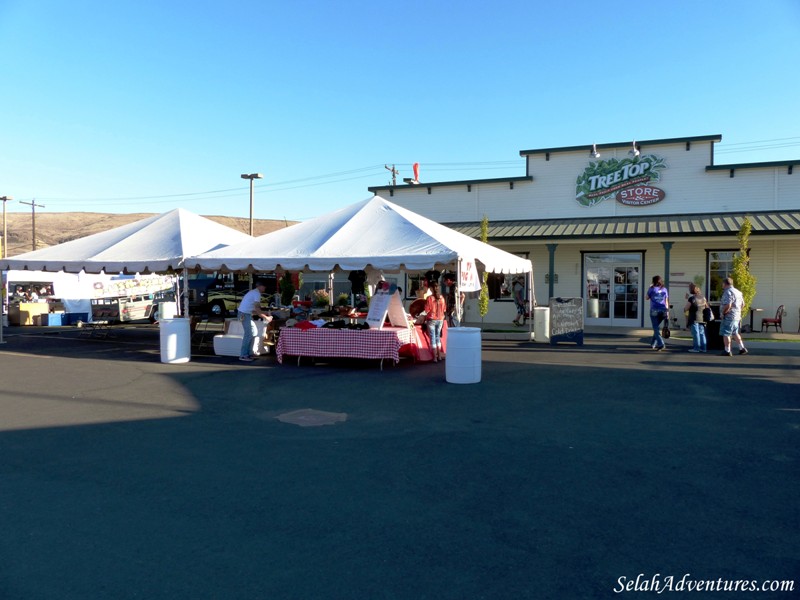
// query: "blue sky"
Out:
[151,105]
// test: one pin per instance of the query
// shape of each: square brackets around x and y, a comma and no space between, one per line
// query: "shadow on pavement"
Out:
[565,469]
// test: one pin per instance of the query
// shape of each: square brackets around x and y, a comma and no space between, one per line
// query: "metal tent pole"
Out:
[185,292]
[459,314]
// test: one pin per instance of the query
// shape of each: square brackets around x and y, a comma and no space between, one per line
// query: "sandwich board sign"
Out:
[383,304]
[566,320]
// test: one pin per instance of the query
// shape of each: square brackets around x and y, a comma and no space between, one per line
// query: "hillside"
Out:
[56,228]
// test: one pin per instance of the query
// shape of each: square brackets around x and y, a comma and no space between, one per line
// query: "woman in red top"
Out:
[435,307]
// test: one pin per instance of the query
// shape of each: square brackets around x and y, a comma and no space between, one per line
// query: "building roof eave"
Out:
[649,226]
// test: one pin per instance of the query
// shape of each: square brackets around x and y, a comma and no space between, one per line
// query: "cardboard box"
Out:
[28,311]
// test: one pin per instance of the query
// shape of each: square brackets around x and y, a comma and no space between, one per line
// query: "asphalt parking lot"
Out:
[564,470]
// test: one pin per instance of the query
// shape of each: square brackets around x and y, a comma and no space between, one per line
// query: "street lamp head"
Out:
[252,176]
[6,198]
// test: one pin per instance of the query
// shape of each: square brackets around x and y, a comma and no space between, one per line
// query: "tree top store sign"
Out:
[628,180]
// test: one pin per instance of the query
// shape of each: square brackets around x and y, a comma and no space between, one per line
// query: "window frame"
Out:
[710,290]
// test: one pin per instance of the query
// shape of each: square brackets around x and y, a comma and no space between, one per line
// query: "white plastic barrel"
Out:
[541,324]
[167,310]
[176,340]
[463,364]
[594,308]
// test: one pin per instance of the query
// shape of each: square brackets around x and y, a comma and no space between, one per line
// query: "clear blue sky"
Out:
[145,106]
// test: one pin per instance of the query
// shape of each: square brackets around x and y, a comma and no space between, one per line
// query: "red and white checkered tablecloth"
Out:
[343,343]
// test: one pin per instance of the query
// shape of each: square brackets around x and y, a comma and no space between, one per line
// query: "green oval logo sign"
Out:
[603,179]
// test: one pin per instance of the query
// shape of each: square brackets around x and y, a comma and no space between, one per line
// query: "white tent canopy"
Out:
[373,233]
[155,245]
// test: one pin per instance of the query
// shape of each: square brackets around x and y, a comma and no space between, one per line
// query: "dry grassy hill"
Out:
[56,228]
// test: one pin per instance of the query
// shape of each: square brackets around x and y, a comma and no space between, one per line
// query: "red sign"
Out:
[640,195]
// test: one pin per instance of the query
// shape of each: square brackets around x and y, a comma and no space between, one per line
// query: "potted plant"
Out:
[287,289]
[320,298]
[342,302]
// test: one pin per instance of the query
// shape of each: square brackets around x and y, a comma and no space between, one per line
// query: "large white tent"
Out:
[373,233]
[158,244]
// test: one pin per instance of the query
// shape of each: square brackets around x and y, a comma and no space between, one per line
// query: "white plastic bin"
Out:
[541,324]
[463,364]
[176,340]
[167,310]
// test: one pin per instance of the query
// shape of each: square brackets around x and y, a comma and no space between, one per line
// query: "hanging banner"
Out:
[133,286]
[468,279]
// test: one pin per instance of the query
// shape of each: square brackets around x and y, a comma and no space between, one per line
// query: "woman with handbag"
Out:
[695,305]
[659,310]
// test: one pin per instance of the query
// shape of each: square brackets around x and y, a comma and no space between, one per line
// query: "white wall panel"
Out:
[689,188]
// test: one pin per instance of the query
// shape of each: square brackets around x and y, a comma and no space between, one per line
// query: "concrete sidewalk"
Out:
[564,470]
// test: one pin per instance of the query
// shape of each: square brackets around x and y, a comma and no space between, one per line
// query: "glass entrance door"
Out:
[613,289]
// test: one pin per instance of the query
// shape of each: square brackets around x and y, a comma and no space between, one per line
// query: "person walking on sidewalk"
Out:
[249,307]
[695,303]
[518,293]
[731,310]
[659,310]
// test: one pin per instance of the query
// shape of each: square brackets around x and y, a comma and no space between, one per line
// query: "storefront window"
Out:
[720,266]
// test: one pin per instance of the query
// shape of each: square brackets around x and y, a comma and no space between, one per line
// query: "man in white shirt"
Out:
[730,309]
[249,307]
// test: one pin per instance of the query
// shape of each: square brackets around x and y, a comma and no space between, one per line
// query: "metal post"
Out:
[4,247]
[33,206]
[3,309]
[185,292]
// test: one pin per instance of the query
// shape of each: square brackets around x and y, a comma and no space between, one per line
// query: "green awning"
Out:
[688,225]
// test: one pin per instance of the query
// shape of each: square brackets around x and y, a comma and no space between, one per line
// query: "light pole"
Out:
[251,176]
[4,247]
[3,251]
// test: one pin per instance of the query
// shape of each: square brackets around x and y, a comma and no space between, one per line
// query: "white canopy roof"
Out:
[374,232]
[155,244]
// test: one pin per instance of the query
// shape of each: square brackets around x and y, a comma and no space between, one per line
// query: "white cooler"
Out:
[463,363]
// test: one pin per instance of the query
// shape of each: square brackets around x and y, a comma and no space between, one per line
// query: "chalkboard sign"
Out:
[383,304]
[566,320]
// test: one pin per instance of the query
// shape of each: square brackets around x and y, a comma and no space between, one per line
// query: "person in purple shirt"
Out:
[659,310]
